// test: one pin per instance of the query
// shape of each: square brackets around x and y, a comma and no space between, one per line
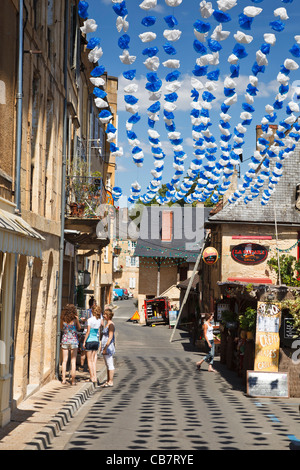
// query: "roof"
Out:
[187,233]
[283,199]
[195,283]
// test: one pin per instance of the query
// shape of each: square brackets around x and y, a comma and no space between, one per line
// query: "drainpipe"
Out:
[19,99]
[63,190]
[19,109]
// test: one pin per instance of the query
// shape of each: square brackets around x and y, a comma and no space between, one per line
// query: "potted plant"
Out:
[248,321]
[228,319]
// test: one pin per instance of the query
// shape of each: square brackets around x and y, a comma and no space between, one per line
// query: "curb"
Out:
[46,435]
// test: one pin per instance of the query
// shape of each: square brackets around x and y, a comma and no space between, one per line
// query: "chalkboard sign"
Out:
[267,384]
[289,331]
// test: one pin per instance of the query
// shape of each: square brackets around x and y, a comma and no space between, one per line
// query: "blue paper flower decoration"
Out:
[200,71]
[199,47]
[221,17]
[148,21]
[245,21]
[171,21]
[120,9]
[173,76]
[99,93]
[83,9]
[124,41]
[134,118]
[94,42]
[201,26]
[98,71]
[150,51]
[277,25]
[169,49]
[129,74]
[130,99]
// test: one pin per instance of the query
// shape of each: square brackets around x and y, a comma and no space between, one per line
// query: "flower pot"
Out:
[80,211]
[74,209]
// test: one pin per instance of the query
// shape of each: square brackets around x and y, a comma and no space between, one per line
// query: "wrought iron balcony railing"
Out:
[85,196]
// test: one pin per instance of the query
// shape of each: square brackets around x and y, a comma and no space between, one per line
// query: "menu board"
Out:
[267,384]
[267,339]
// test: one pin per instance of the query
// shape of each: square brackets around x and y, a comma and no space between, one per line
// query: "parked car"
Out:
[120,293]
[126,294]
[130,295]
[115,295]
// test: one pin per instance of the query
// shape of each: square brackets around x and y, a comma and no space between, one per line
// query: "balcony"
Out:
[85,207]
[84,197]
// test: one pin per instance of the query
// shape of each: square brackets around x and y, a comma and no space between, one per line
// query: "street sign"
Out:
[210,255]
[249,253]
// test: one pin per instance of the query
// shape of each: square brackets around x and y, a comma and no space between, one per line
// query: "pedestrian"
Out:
[108,346]
[209,342]
[88,314]
[91,341]
[69,342]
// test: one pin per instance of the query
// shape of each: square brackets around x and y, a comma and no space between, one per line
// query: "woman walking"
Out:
[108,346]
[209,342]
[69,342]
[91,342]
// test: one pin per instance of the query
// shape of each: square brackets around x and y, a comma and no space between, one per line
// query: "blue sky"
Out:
[186,14]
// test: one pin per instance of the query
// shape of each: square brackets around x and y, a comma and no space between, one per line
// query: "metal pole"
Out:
[190,285]
[63,190]
[278,259]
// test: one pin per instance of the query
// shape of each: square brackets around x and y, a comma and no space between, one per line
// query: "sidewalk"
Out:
[40,417]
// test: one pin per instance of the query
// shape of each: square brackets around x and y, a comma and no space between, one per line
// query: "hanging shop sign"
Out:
[267,339]
[109,198]
[249,253]
[210,255]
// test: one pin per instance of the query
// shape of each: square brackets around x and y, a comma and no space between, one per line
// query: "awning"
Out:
[17,236]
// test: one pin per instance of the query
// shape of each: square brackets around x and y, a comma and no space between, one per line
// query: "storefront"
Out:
[258,331]
[16,238]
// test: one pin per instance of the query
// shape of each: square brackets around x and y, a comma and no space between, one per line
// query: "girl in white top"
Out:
[91,341]
[209,341]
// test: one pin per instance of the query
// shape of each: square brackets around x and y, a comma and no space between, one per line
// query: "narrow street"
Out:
[161,402]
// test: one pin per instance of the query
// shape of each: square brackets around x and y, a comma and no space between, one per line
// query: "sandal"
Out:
[107,385]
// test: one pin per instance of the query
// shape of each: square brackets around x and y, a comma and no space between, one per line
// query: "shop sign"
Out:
[249,253]
[109,198]
[210,255]
[267,340]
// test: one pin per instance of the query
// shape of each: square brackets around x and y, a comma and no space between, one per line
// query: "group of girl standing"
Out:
[70,326]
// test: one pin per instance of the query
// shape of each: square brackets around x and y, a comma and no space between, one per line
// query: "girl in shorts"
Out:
[91,341]
[69,342]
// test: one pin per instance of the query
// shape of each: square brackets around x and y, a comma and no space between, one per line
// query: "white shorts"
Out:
[109,361]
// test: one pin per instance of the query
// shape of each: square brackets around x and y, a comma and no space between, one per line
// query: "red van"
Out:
[157,310]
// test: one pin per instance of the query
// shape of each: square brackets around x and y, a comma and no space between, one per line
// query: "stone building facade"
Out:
[44,56]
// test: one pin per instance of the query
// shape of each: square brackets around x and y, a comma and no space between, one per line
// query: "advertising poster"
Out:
[267,337]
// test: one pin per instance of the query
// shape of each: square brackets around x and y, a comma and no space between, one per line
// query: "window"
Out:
[167,226]
[131,245]
[132,281]
[105,255]
[134,262]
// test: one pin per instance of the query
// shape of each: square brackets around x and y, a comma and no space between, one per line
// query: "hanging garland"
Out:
[266,165]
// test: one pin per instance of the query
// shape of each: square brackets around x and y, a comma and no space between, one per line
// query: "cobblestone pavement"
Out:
[46,412]
[159,401]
